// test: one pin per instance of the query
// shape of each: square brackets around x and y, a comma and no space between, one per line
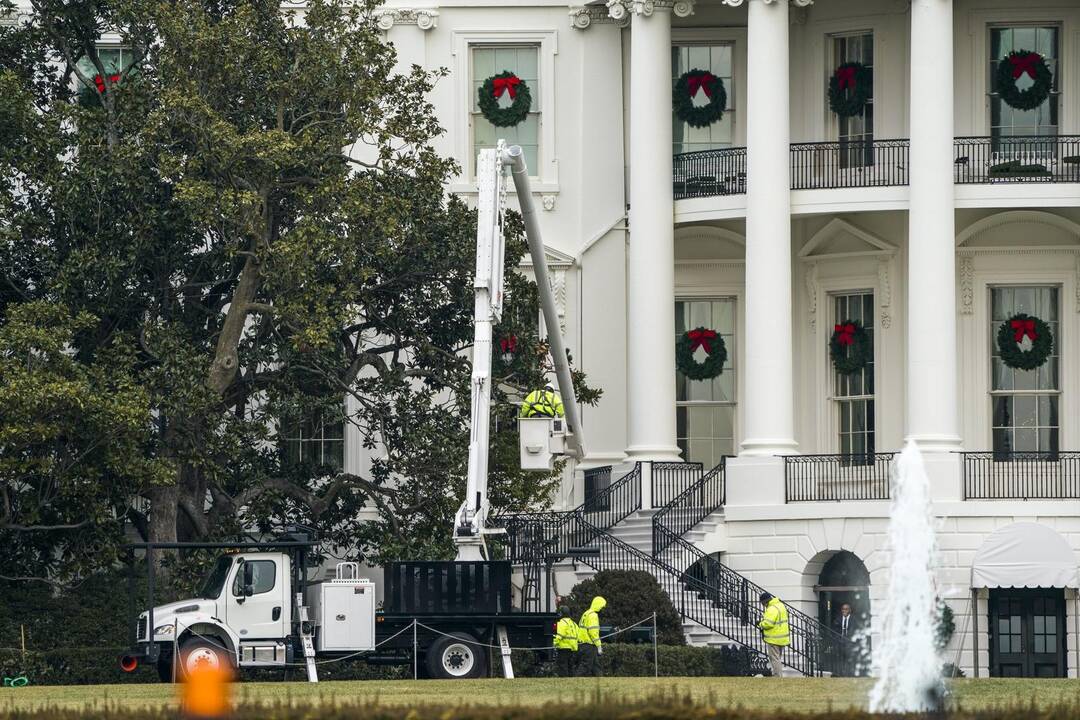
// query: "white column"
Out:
[932,399]
[651,263]
[769,396]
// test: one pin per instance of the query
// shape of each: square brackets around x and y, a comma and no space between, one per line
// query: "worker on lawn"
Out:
[566,643]
[589,638]
[542,403]
[775,630]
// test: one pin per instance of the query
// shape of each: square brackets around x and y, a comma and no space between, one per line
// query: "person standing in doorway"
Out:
[775,630]
[846,625]
[566,643]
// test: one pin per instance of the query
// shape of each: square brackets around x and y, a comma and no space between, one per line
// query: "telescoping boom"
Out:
[470,525]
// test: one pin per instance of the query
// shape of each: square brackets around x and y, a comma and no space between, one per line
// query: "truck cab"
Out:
[241,615]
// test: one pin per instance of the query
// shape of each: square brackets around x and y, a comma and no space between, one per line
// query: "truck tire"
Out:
[205,651]
[456,658]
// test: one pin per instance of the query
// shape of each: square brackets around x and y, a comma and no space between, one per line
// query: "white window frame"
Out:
[834,397]
[832,63]
[545,177]
[736,37]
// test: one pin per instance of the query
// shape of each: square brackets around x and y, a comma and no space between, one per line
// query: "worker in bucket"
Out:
[589,638]
[566,643]
[543,403]
[774,630]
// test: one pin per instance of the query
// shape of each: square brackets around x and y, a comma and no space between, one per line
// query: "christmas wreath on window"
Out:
[1024,342]
[849,88]
[89,98]
[494,88]
[715,352]
[850,347]
[1017,64]
[686,89]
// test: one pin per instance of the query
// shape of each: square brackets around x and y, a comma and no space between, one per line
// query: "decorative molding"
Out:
[423,18]
[621,10]
[812,290]
[548,201]
[583,16]
[1019,217]
[966,267]
[884,273]
[834,227]
[796,3]
[557,281]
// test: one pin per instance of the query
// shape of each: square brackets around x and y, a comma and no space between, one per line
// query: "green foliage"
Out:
[946,626]
[631,595]
[220,272]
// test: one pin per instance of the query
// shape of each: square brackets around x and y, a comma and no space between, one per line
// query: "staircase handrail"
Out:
[681,514]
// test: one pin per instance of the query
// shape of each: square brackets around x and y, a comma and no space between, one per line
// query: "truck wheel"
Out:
[203,652]
[455,658]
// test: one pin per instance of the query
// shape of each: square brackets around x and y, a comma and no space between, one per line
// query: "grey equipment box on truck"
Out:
[344,611]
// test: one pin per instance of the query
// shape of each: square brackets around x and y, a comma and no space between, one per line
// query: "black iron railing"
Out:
[837,477]
[1007,475]
[710,172]
[1034,158]
[669,479]
[693,505]
[597,481]
[849,164]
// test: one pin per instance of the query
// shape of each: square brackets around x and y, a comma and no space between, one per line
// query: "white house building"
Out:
[929,213]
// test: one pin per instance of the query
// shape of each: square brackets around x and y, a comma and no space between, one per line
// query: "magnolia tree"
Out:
[193,261]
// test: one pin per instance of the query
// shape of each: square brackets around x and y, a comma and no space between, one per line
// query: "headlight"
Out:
[164,630]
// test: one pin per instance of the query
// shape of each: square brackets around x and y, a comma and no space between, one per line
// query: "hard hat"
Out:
[549,386]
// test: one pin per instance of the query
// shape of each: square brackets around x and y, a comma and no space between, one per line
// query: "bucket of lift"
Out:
[543,440]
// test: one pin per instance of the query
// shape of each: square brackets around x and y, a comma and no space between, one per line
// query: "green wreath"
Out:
[850,347]
[1012,67]
[715,350]
[1013,331]
[857,78]
[493,89]
[687,87]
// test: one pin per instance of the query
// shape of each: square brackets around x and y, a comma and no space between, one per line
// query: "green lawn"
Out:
[797,695]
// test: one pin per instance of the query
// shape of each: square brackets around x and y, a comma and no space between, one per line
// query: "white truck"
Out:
[257,607]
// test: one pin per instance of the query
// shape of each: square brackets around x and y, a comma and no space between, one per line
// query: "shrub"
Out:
[672,661]
[631,596]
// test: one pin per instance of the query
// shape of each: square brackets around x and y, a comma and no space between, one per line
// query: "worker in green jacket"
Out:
[589,638]
[775,630]
[543,403]
[566,643]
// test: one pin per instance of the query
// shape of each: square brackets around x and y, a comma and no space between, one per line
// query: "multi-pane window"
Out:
[716,59]
[114,60]
[1024,403]
[856,133]
[1007,121]
[523,61]
[318,440]
[854,394]
[705,409]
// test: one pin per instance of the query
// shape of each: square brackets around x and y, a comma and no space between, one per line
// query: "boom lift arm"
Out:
[470,524]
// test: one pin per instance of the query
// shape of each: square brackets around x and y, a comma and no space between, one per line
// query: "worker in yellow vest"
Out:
[566,643]
[589,638]
[542,403]
[775,630]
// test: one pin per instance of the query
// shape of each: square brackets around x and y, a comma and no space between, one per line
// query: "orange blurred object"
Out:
[205,692]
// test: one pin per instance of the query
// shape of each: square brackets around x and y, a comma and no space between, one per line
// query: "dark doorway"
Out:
[845,581]
[1027,633]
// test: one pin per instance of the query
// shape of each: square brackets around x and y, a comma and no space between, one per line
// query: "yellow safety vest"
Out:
[775,623]
[566,635]
[589,626]
[543,403]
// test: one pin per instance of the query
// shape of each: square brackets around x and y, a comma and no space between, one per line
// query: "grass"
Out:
[803,695]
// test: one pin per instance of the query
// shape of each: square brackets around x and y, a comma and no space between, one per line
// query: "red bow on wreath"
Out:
[845,334]
[1026,63]
[845,77]
[701,338]
[1022,328]
[113,79]
[503,84]
[703,81]
[508,344]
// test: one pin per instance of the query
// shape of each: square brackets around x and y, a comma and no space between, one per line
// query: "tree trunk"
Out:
[162,521]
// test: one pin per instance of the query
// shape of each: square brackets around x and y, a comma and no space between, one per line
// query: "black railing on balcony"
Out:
[849,164]
[710,172]
[597,481]
[1004,475]
[1032,158]
[669,479]
[837,477]
[690,507]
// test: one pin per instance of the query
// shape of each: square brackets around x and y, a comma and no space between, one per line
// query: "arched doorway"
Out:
[844,579]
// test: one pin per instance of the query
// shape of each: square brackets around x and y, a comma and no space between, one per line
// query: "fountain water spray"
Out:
[907,663]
